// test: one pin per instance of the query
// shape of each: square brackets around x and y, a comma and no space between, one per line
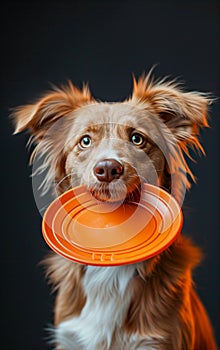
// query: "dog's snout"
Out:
[107,170]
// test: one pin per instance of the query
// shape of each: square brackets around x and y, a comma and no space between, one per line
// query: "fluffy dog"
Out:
[111,148]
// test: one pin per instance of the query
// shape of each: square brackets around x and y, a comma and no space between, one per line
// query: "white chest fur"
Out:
[107,302]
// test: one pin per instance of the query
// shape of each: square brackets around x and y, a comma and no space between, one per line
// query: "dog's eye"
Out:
[137,139]
[85,141]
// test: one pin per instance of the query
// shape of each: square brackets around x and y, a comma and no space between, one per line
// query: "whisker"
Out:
[65,177]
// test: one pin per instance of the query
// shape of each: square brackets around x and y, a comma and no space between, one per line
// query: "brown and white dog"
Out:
[111,148]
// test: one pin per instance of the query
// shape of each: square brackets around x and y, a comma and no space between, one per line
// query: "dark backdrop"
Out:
[101,42]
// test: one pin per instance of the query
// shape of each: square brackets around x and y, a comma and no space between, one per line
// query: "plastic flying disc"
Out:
[87,231]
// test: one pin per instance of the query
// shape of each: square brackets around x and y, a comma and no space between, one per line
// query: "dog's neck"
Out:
[108,280]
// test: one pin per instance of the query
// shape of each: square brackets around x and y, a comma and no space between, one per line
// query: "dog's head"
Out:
[111,148]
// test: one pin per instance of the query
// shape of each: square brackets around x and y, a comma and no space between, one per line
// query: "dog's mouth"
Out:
[116,191]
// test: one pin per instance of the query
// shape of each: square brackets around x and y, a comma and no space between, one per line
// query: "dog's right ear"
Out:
[58,103]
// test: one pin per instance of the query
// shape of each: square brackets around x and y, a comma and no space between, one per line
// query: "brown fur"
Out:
[162,300]
[66,278]
[164,304]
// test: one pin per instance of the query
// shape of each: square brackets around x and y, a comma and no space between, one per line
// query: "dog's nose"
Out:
[108,169]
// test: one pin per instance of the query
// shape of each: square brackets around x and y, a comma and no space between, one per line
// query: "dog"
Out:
[111,149]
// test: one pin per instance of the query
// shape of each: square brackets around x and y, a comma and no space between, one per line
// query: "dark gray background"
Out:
[102,42]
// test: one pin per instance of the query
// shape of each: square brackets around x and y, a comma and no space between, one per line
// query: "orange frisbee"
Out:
[87,231]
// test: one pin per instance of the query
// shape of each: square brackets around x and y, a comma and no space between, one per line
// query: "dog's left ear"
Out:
[183,112]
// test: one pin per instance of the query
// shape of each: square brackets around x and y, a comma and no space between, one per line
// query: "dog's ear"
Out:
[183,112]
[58,103]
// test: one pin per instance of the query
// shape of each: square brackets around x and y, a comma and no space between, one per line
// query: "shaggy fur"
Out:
[149,305]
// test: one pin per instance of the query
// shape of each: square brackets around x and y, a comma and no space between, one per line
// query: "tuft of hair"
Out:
[44,119]
[183,113]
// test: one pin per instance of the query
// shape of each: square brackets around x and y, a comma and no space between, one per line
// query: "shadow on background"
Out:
[102,42]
